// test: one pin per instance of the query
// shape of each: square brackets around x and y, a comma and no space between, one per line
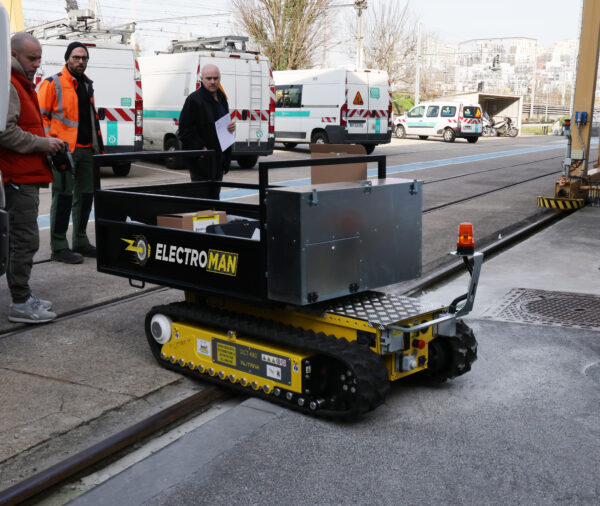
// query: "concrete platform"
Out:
[521,428]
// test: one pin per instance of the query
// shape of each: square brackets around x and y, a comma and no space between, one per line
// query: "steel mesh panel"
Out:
[378,309]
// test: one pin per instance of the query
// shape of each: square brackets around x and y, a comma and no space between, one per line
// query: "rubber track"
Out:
[368,367]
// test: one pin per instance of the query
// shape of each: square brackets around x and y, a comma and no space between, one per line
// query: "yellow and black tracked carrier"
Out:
[282,297]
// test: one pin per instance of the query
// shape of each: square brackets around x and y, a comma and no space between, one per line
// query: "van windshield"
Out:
[471,112]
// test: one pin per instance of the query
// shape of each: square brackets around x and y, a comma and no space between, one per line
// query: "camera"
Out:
[62,160]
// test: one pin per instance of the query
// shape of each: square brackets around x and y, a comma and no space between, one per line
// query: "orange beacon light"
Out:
[465,244]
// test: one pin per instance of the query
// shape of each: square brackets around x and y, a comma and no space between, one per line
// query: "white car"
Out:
[448,120]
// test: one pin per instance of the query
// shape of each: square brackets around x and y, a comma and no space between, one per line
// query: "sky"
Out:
[451,21]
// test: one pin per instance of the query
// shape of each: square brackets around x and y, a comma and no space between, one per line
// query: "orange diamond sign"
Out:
[358,99]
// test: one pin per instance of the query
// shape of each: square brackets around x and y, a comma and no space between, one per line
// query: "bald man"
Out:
[197,130]
[23,150]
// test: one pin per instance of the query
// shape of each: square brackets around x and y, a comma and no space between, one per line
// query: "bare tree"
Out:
[288,32]
[390,41]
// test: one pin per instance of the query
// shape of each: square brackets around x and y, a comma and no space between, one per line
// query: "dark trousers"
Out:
[22,202]
[72,193]
[204,169]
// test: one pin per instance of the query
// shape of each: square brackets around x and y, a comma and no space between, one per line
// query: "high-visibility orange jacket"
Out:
[59,106]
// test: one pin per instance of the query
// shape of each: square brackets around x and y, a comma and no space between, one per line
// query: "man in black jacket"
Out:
[197,129]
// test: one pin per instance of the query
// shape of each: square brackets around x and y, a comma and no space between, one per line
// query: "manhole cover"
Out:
[543,307]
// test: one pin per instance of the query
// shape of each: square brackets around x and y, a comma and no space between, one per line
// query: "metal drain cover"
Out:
[542,307]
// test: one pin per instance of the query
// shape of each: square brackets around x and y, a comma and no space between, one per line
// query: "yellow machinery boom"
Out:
[578,182]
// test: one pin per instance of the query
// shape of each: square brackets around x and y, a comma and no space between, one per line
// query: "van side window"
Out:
[448,111]
[432,111]
[288,96]
[417,112]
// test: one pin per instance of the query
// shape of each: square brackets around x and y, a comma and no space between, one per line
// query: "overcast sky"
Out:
[545,20]
[451,20]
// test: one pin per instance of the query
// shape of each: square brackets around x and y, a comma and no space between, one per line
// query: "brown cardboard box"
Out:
[337,173]
[196,222]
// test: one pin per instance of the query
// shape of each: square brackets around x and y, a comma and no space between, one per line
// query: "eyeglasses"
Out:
[82,58]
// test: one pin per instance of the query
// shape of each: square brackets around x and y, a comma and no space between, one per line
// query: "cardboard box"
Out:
[196,222]
[337,173]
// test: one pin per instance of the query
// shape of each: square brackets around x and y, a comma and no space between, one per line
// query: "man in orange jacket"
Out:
[67,106]
[23,148]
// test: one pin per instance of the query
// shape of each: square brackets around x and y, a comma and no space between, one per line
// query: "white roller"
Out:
[160,326]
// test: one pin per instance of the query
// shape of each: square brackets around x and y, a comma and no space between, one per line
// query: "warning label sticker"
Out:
[203,347]
[358,100]
[251,360]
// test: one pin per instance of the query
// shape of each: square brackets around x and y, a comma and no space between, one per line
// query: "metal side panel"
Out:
[330,240]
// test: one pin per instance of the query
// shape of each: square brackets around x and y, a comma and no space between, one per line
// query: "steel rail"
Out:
[74,465]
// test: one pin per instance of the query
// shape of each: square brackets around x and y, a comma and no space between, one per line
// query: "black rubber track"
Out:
[367,367]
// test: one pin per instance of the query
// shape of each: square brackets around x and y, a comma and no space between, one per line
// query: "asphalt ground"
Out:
[72,383]
[521,428]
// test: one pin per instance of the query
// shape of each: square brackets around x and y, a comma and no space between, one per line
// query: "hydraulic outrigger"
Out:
[280,302]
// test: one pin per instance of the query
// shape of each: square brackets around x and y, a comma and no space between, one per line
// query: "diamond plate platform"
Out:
[378,309]
[542,307]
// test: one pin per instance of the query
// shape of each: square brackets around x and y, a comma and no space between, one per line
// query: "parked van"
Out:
[448,120]
[117,91]
[246,79]
[333,106]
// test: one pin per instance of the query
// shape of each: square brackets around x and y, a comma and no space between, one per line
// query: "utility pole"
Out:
[418,66]
[533,81]
[360,6]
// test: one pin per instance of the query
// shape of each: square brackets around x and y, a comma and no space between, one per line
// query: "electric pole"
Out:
[418,66]
[360,6]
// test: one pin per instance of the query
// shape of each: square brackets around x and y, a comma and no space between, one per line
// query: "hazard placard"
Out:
[358,99]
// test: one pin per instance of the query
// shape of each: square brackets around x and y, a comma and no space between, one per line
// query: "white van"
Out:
[335,106]
[246,79]
[448,120]
[117,91]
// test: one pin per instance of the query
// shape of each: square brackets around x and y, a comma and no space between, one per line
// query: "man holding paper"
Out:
[202,125]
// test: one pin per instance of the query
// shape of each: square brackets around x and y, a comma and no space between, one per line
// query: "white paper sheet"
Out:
[226,138]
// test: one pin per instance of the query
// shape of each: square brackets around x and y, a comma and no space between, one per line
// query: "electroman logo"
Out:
[222,262]
[215,261]
[138,248]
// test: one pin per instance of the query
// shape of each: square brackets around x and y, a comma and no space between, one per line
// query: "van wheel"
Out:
[290,145]
[369,148]
[400,132]
[449,135]
[247,162]
[319,138]
[423,137]
[472,140]
[121,169]
[172,144]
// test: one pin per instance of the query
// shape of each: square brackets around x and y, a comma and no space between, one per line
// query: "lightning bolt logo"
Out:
[131,247]
[139,248]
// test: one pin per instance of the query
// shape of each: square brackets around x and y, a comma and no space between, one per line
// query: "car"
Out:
[448,120]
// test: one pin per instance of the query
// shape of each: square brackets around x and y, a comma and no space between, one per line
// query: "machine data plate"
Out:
[252,360]
[378,309]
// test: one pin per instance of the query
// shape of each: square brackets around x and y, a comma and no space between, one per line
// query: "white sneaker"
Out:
[30,311]
[46,304]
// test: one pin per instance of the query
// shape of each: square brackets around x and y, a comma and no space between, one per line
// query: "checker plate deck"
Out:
[378,309]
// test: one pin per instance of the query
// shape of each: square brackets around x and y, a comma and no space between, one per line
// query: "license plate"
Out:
[358,124]
[467,128]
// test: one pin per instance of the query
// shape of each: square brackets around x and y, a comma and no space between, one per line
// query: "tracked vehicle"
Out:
[282,301]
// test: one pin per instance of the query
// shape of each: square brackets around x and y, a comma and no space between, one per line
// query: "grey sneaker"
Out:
[30,311]
[46,304]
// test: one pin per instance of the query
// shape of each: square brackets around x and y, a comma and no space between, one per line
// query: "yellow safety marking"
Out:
[562,204]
